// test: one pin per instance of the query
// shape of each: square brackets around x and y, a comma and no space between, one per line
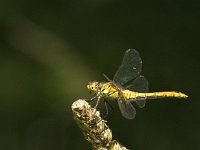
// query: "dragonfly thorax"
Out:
[106,90]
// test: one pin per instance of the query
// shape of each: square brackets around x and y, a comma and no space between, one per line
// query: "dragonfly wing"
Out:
[140,84]
[140,103]
[127,109]
[130,68]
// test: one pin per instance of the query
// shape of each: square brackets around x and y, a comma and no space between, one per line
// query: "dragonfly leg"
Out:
[91,99]
[110,105]
[107,105]
[98,99]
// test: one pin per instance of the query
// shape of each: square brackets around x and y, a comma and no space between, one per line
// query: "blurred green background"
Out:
[50,50]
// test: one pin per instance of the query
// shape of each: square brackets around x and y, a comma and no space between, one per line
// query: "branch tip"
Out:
[94,128]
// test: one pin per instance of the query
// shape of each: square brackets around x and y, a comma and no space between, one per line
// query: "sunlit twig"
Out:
[94,128]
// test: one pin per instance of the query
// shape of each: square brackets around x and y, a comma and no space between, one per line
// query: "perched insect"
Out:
[128,86]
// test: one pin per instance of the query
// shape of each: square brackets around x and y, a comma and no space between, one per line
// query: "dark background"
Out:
[49,50]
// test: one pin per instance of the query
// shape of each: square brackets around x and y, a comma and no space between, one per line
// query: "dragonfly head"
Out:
[93,86]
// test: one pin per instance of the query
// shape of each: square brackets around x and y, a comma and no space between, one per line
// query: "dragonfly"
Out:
[128,86]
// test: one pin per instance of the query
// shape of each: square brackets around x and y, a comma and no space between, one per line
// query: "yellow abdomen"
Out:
[130,95]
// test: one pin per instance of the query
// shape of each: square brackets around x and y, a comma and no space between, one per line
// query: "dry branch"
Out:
[94,128]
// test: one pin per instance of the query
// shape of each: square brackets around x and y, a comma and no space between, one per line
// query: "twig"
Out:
[94,128]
